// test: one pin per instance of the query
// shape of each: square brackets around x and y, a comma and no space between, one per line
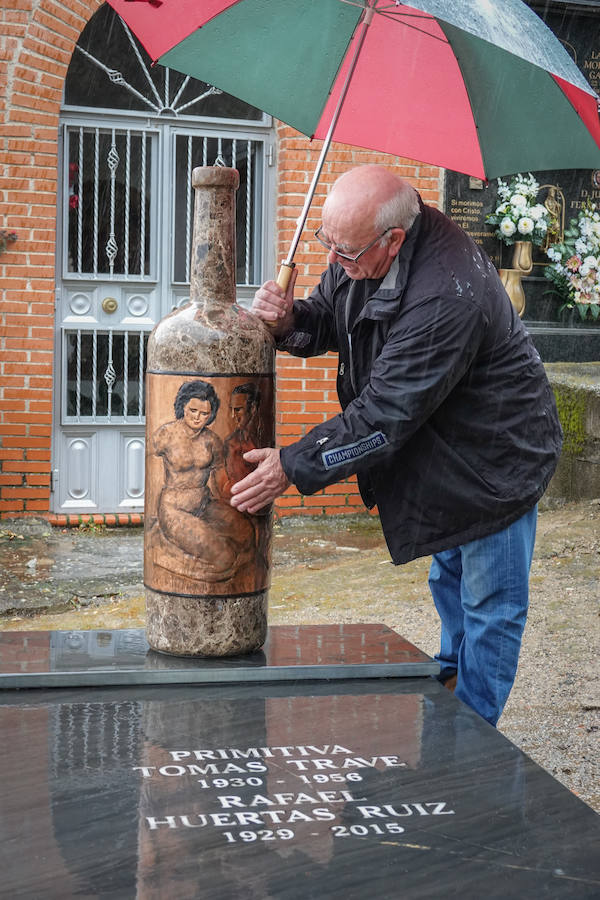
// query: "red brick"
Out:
[24,466]
[38,505]
[10,479]
[23,492]
[37,478]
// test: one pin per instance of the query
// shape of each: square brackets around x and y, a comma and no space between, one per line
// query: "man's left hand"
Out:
[262,486]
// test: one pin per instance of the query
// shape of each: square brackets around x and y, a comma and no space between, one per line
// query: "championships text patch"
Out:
[332,458]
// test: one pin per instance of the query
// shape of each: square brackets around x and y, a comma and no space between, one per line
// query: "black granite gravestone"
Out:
[77,658]
[373,787]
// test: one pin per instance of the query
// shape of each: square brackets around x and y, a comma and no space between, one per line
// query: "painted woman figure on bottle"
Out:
[194,512]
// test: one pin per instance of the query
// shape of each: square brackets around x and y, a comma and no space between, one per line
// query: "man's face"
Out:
[241,411]
[196,413]
[350,238]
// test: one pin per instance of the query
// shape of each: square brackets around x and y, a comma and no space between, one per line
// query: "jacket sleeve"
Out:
[314,330]
[418,366]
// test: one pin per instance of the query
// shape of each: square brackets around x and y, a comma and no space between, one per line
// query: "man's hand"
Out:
[275,306]
[262,486]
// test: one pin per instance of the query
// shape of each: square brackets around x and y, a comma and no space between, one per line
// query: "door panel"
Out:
[123,268]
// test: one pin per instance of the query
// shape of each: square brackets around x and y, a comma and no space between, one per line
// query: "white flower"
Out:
[541,226]
[525,225]
[580,247]
[553,254]
[518,201]
[507,227]
[589,263]
[538,212]
[503,190]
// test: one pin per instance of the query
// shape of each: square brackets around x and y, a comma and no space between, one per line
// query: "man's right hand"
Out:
[275,306]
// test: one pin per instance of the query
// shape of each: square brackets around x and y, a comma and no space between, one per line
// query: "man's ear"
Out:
[398,236]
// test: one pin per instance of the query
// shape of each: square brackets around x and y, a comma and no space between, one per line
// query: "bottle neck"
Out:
[213,262]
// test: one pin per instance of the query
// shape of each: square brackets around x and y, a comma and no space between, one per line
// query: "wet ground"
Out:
[48,570]
[337,569]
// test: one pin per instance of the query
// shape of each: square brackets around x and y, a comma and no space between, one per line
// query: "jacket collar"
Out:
[385,301]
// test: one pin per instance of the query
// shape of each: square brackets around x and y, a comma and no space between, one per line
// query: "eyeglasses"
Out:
[352,258]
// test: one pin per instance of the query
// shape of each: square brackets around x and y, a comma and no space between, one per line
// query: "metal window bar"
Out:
[125,372]
[94,372]
[189,211]
[142,66]
[78,413]
[89,737]
[110,376]
[112,161]
[141,369]
[127,210]
[143,207]
[96,196]
[184,84]
[80,200]
[248,206]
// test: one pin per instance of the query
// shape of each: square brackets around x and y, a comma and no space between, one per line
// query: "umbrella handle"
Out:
[285,273]
[283,279]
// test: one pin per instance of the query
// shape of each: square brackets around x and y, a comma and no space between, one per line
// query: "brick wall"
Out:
[35,49]
[36,44]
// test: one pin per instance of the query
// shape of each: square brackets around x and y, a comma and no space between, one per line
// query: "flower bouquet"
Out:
[518,217]
[575,264]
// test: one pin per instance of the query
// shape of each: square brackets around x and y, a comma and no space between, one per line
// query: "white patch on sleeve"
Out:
[341,455]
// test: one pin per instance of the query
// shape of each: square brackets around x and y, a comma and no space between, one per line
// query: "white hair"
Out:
[400,211]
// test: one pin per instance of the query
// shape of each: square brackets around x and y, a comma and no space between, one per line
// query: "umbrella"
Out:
[476,86]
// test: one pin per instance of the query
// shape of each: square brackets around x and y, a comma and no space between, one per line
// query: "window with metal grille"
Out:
[108,216]
[104,378]
[242,154]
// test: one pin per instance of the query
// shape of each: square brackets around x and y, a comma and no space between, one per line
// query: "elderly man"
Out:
[448,419]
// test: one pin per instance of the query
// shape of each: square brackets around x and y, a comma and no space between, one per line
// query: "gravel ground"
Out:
[553,712]
[338,570]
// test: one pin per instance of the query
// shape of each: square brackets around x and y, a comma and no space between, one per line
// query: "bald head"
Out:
[365,220]
[373,196]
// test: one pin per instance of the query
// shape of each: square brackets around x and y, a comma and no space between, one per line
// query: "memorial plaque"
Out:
[558,336]
[378,788]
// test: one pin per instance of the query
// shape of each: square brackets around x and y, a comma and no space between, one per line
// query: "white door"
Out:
[125,229]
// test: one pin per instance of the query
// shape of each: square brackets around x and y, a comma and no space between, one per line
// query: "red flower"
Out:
[73,201]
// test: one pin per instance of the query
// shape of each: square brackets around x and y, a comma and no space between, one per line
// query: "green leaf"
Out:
[595,310]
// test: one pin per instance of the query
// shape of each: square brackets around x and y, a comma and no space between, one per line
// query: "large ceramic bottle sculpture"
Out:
[210,398]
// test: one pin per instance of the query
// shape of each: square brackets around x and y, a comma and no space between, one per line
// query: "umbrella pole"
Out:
[285,272]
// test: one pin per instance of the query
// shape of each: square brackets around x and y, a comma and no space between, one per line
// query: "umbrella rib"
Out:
[413,27]
[386,12]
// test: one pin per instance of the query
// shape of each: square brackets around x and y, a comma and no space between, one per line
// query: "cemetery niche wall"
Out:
[558,336]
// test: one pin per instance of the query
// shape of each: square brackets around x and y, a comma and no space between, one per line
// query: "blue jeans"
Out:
[481,592]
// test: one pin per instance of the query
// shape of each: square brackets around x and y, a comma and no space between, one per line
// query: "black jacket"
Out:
[448,417]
